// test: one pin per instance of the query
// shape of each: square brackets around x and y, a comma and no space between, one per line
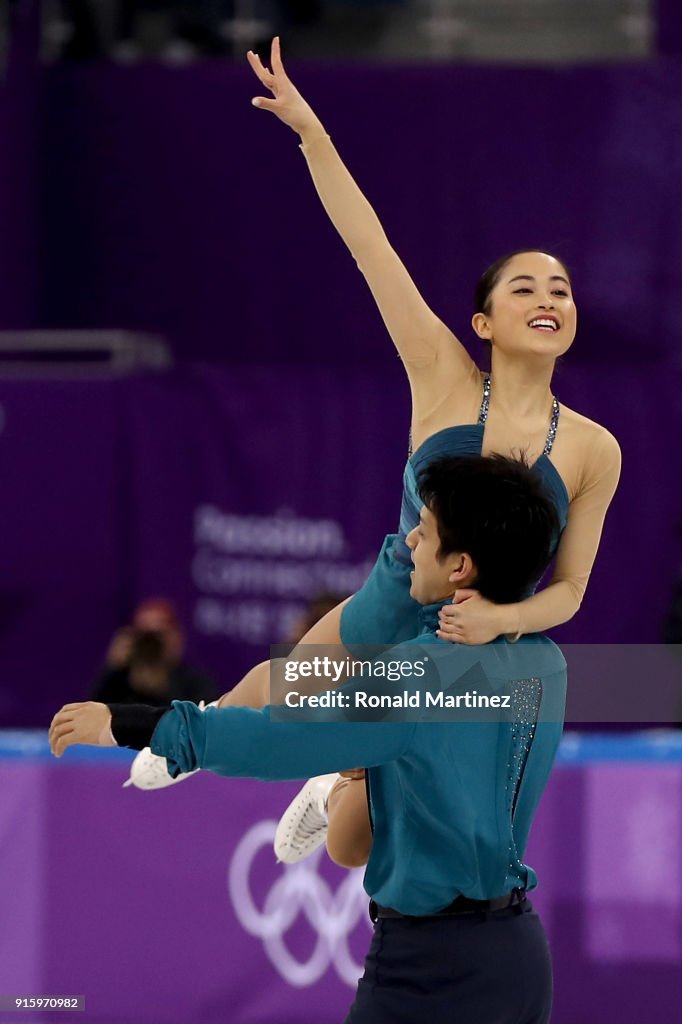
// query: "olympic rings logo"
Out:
[299,890]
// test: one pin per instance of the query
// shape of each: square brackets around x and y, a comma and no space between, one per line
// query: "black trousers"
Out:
[468,969]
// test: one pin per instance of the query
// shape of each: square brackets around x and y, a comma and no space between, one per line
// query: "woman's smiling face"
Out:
[531,308]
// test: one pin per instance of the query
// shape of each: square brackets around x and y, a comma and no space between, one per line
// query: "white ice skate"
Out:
[150,771]
[303,826]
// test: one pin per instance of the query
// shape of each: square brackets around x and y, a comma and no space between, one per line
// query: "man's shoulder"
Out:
[540,645]
[531,655]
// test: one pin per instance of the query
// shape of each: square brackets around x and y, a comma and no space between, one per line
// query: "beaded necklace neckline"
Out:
[483,416]
[553,423]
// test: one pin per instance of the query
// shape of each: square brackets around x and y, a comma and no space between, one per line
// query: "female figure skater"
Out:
[524,309]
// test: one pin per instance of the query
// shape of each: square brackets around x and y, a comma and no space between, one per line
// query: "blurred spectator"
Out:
[318,606]
[145,663]
[154,26]
[173,28]
[83,37]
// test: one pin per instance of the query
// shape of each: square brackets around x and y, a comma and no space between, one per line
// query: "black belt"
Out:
[462,905]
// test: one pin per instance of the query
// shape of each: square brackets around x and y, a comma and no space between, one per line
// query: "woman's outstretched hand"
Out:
[471,619]
[288,104]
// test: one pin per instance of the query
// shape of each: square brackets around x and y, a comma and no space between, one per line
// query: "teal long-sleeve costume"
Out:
[451,801]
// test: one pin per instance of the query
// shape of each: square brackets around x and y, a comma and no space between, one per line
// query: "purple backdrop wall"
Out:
[170,204]
[669,25]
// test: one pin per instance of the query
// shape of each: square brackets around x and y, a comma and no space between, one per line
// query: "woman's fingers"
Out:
[264,74]
[268,78]
[288,104]
[449,626]
[276,57]
[264,104]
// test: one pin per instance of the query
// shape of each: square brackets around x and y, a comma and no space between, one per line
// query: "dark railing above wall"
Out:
[667,17]
[76,354]
[539,31]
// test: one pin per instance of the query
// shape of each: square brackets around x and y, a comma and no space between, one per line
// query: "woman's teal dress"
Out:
[382,611]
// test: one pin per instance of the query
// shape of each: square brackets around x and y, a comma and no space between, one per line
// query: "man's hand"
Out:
[87,722]
[471,619]
[288,104]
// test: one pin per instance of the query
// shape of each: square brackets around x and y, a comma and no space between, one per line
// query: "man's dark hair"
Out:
[497,510]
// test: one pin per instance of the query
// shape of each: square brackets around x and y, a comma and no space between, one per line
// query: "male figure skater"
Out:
[452,801]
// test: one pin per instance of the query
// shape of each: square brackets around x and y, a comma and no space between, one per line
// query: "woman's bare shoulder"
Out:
[583,430]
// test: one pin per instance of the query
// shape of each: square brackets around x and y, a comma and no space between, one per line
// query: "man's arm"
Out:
[234,741]
[243,742]
[277,742]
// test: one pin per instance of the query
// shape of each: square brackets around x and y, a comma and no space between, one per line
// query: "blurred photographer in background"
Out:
[145,662]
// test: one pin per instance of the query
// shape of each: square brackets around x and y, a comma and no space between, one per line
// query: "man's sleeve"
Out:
[243,742]
[276,743]
[132,725]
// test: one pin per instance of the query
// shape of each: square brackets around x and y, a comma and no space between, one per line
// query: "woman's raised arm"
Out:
[422,340]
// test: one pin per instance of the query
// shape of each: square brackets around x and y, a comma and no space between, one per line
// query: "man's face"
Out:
[431,578]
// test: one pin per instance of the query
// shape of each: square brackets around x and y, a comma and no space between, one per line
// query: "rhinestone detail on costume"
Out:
[526,695]
[525,704]
[485,404]
[553,423]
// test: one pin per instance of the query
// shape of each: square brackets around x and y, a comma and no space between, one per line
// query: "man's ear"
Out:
[481,325]
[461,568]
